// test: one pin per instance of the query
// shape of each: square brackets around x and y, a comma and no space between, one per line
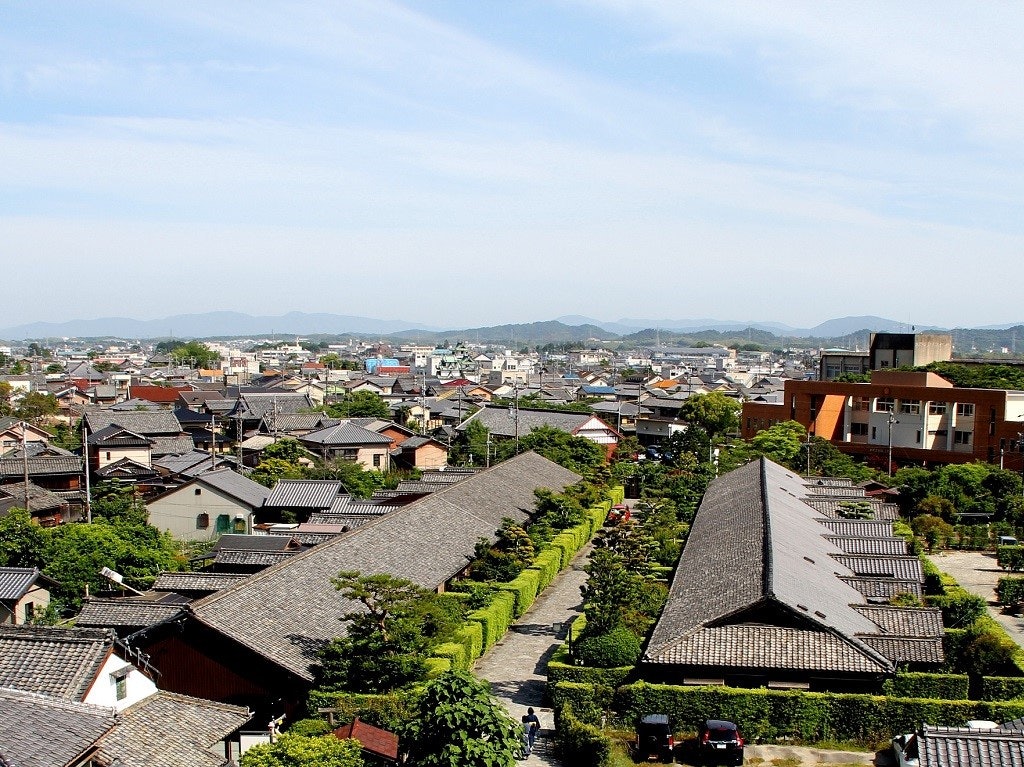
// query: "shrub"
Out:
[1010,557]
[1010,591]
[548,563]
[455,653]
[495,618]
[959,608]
[619,647]
[580,743]
[562,669]
[1002,687]
[921,685]
[389,710]
[310,728]
[524,588]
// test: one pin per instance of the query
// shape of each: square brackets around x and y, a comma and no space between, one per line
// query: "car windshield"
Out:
[722,733]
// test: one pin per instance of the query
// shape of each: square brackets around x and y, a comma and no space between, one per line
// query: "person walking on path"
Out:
[532,724]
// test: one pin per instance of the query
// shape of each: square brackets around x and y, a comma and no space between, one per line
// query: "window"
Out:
[120,679]
[30,611]
[918,437]
[884,405]
[223,523]
[859,429]
[108,455]
[937,408]
[199,491]
[350,454]
[965,409]
[961,438]
[862,403]
[874,433]
[202,521]
[240,526]
[910,406]
[376,461]
[937,433]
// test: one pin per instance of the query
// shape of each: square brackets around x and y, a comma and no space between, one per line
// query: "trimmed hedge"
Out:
[547,563]
[1002,687]
[561,669]
[580,743]
[1010,558]
[495,618]
[770,714]
[454,653]
[437,666]
[1010,591]
[524,587]
[920,685]
[959,607]
[389,710]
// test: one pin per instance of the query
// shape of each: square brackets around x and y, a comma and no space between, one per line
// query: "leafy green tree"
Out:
[268,471]
[54,367]
[613,596]
[22,541]
[936,506]
[935,530]
[67,437]
[117,502]
[299,751]
[713,412]
[458,723]
[574,453]
[471,445]
[780,442]
[359,404]
[386,642]
[6,407]
[194,353]
[286,448]
[35,406]
[356,480]
[331,361]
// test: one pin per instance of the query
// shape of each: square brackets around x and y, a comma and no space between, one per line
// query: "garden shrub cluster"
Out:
[1002,688]
[1010,591]
[580,743]
[1010,558]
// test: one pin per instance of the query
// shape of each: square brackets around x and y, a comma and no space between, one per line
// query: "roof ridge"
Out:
[767,582]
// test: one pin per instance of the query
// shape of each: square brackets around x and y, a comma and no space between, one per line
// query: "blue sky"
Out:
[474,163]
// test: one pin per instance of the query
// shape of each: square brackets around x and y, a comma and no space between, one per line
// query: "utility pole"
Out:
[85,463]
[892,420]
[24,460]
[213,442]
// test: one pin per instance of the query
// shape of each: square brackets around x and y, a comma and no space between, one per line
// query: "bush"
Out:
[580,743]
[524,588]
[619,647]
[959,608]
[1010,591]
[390,710]
[548,563]
[455,653]
[471,637]
[495,618]
[1010,557]
[310,728]
[562,669]
[1001,688]
[921,685]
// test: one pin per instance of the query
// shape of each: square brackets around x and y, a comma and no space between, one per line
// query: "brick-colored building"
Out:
[924,417]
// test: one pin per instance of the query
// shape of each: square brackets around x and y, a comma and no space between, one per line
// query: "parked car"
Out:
[654,739]
[653,453]
[719,741]
[904,747]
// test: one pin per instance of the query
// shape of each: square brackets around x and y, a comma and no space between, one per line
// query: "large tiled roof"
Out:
[304,493]
[191,582]
[176,445]
[235,485]
[850,544]
[124,613]
[286,613]
[500,422]
[784,562]
[60,464]
[859,527]
[344,434]
[39,498]
[61,663]
[907,649]
[252,558]
[833,507]
[16,581]
[238,542]
[169,730]
[41,731]
[287,423]
[883,589]
[147,423]
[254,405]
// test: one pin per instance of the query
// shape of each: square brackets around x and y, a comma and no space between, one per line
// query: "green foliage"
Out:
[458,723]
[580,743]
[1002,688]
[1010,591]
[574,453]
[524,588]
[117,501]
[979,376]
[495,619]
[613,596]
[935,530]
[909,684]
[1010,558]
[286,448]
[270,470]
[298,751]
[971,488]
[310,728]
[619,647]
[359,404]
[780,442]
[387,643]
[193,353]
[22,541]
[75,554]
[35,406]
[714,412]
[959,608]
[387,710]
[562,669]
[988,652]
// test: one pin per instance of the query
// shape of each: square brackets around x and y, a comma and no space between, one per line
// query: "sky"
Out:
[467,163]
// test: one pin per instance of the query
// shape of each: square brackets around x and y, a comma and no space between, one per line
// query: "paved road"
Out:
[978,572]
[516,666]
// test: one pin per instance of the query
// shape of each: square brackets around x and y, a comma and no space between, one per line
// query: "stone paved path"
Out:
[516,665]
[978,572]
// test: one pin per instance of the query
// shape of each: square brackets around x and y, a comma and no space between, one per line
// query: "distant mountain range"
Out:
[572,328]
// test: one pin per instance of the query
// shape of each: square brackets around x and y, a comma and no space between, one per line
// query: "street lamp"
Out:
[892,420]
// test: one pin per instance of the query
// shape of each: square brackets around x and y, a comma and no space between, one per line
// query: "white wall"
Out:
[176,512]
[138,686]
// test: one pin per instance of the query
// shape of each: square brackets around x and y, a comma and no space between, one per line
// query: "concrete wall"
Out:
[177,512]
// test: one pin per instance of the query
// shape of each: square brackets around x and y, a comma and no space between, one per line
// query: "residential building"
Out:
[514,422]
[210,504]
[887,350]
[24,592]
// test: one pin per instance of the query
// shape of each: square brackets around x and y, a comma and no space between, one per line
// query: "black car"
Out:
[720,741]
[654,739]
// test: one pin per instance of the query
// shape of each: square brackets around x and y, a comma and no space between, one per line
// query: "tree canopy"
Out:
[359,404]
[193,353]
[713,412]
[298,751]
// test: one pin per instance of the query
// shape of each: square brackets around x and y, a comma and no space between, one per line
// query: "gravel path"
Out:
[978,572]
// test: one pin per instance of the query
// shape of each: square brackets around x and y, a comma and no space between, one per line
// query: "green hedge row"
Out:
[1010,591]
[561,669]
[1010,558]
[580,743]
[524,588]
[494,619]
[389,710]
[770,714]
[1002,687]
[922,685]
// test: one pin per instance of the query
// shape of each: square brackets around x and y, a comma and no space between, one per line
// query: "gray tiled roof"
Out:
[847,492]
[253,405]
[39,497]
[782,555]
[286,613]
[40,731]
[500,423]
[904,621]
[252,558]
[346,505]
[960,746]
[883,588]
[177,445]
[52,661]
[288,423]
[176,464]
[239,542]
[830,507]
[891,547]
[344,434]
[872,528]
[769,647]
[235,485]
[189,582]
[902,568]
[907,649]
[61,464]
[147,423]
[169,730]
[15,581]
[304,493]
[124,613]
